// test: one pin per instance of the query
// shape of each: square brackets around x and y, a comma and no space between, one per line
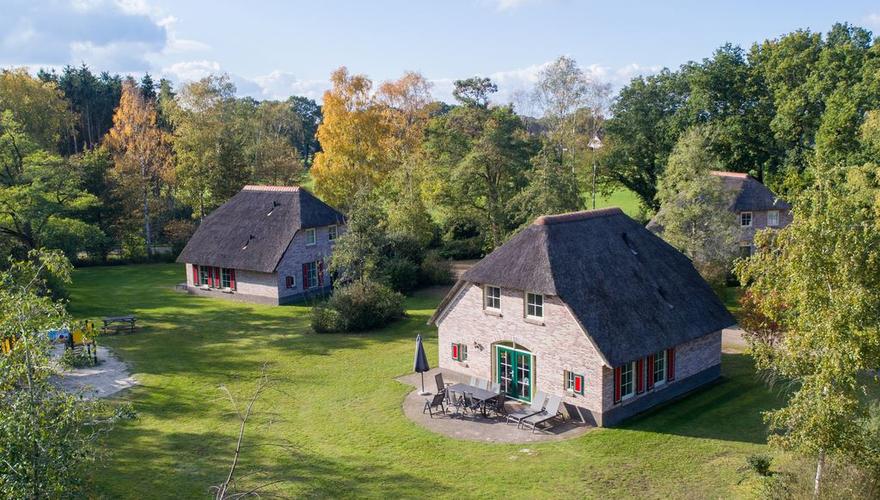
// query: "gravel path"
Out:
[109,377]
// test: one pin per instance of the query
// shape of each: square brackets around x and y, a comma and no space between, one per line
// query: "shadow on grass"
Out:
[730,409]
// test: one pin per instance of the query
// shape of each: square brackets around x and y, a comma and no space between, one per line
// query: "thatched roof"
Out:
[751,194]
[253,229]
[633,293]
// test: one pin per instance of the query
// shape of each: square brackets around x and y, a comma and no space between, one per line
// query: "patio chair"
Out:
[473,381]
[482,383]
[536,407]
[495,387]
[472,404]
[441,385]
[498,407]
[550,412]
[456,401]
[434,402]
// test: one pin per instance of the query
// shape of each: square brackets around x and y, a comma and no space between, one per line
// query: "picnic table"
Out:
[479,394]
[118,322]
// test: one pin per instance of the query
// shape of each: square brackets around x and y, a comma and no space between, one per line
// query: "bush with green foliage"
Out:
[402,274]
[435,270]
[358,306]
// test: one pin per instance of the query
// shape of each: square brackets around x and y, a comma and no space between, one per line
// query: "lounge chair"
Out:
[434,402]
[473,381]
[536,407]
[550,412]
[482,383]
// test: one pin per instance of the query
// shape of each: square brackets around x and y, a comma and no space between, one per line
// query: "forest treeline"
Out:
[100,165]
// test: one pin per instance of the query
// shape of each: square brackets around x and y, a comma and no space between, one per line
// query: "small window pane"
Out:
[312,269]
[225,278]
[310,237]
[659,368]
[773,218]
[331,233]
[627,380]
[745,219]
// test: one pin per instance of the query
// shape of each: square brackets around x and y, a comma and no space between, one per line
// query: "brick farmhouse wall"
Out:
[270,288]
[759,221]
[558,344]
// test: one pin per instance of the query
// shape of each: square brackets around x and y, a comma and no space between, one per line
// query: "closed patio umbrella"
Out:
[420,364]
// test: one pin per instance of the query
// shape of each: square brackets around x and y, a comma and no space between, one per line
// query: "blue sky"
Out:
[272,49]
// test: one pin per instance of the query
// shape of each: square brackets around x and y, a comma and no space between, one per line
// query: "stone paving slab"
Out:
[475,428]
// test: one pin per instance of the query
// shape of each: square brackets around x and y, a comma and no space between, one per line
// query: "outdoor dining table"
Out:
[481,395]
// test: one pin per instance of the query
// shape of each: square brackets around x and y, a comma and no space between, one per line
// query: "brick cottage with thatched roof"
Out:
[754,205]
[267,244]
[590,306]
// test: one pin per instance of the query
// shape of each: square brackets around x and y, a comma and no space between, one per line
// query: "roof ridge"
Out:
[722,173]
[260,187]
[546,220]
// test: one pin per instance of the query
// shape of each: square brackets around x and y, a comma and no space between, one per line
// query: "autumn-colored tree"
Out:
[142,157]
[353,139]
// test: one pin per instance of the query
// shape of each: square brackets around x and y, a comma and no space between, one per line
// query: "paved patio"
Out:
[104,380]
[475,428]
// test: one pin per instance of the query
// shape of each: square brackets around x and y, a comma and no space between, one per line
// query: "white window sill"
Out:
[493,312]
[534,321]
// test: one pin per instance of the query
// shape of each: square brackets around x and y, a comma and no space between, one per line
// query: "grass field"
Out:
[335,402]
[622,197]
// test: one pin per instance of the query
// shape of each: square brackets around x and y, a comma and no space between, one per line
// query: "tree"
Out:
[48,438]
[41,195]
[474,91]
[39,107]
[353,136]
[142,157]
[817,279]
[360,250]
[209,142]
[695,214]
[644,128]
[552,187]
[305,139]
[478,160]
[275,158]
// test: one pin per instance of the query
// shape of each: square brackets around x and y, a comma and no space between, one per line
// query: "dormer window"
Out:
[311,238]
[272,209]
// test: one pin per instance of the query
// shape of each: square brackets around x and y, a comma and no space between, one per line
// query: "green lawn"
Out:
[336,403]
[622,197]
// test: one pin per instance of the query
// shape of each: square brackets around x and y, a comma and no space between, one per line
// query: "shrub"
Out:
[760,464]
[402,274]
[76,359]
[358,306]
[435,270]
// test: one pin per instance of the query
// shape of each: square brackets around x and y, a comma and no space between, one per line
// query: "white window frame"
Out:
[570,385]
[487,298]
[749,246]
[332,233]
[659,361]
[225,278]
[773,221]
[632,381]
[751,219]
[537,308]
[311,237]
[292,282]
[312,268]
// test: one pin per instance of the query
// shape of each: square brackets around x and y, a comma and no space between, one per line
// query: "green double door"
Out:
[514,372]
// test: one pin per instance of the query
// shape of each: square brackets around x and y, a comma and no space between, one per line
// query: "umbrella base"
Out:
[424,393]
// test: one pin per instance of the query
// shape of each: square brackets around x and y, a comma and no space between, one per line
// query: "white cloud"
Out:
[187,71]
[281,85]
[873,20]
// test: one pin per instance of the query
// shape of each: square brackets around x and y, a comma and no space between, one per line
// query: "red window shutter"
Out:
[195,275]
[650,373]
[579,384]
[210,276]
[232,279]
[640,376]
[305,276]
[670,364]
[455,351]
[617,385]
[320,273]
[217,277]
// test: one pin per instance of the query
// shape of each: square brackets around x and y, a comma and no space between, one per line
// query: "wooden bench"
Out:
[117,323]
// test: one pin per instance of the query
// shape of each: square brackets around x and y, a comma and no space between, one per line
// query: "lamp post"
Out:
[595,144]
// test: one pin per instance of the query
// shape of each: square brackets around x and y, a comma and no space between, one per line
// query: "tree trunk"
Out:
[820,470]
[148,237]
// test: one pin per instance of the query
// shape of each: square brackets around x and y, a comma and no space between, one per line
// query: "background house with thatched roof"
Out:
[590,306]
[755,205]
[267,244]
